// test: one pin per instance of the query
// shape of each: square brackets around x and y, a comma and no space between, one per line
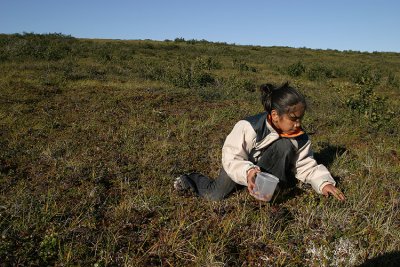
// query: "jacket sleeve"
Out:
[308,171]
[236,150]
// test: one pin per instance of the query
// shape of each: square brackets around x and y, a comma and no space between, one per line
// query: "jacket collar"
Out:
[273,129]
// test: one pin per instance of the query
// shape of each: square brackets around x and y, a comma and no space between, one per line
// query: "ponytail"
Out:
[280,98]
[266,92]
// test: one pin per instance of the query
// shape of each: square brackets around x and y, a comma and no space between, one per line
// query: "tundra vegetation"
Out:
[93,133]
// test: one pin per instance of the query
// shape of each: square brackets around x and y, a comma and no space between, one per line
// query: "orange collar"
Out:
[295,134]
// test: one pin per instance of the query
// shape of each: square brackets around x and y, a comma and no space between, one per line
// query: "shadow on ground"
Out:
[328,153]
[390,259]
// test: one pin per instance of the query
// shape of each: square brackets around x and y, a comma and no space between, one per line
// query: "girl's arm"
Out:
[235,151]
[308,171]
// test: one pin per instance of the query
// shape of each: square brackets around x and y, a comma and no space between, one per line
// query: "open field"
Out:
[93,133]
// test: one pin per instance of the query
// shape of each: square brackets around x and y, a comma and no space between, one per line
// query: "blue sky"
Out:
[335,24]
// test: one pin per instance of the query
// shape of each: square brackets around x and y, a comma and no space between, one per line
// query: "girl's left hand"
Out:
[331,189]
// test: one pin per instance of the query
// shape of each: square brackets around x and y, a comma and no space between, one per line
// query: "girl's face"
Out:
[290,122]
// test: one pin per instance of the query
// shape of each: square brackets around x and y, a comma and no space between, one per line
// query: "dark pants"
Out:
[277,159]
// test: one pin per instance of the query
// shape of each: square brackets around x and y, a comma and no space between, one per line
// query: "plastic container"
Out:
[265,186]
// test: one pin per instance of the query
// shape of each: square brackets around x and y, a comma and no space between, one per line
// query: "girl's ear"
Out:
[274,115]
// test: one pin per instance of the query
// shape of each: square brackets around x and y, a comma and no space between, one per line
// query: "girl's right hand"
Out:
[331,189]
[251,178]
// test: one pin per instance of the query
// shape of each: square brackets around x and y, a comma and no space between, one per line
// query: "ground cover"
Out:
[93,133]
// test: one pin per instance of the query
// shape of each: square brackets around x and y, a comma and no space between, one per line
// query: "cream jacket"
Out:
[242,149]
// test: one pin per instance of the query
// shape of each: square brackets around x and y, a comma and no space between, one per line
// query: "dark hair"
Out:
[280,98]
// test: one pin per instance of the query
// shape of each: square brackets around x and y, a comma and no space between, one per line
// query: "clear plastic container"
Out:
[265,186]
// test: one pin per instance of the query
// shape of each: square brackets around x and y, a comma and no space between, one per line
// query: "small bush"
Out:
[179,76]
[152,71]
[206,63]
[366,76]
[189,75]
[203,79]
[319,72]
[296,69]
[241,84]
[369,105]
[242,66]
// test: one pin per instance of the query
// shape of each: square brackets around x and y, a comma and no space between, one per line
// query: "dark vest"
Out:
[259,124]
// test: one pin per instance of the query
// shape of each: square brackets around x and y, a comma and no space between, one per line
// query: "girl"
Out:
[272,142]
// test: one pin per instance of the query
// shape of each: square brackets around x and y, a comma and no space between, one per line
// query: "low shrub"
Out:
[296,69]
[152,71]
[366,76]
[240,84]
[206,63]
[373,108]
[203,79]
[319,72]
[242,66]
[189,75]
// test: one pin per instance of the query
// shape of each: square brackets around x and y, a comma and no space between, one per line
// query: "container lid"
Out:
[268,176]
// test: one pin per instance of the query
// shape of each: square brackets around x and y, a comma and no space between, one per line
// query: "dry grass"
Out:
[91,143]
